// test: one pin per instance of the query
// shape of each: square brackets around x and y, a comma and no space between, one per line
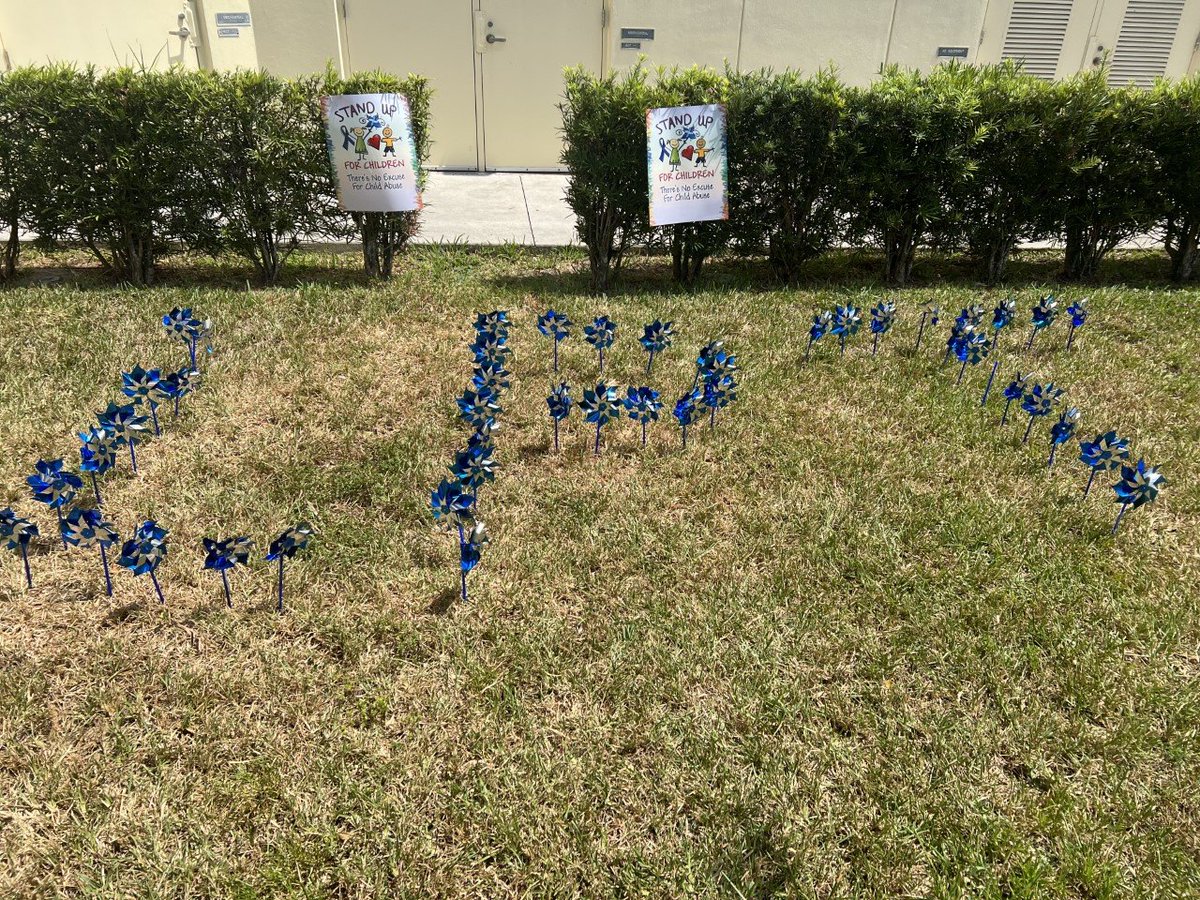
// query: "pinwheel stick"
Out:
[133,455]
[920,332]
[1087,490]
[685,428]
[712,418]
[596,450]
[808,349]
[176,415]
[225,583]
[556,435]
[946,357]
[192,351]
[154,417]
[601,360]
[643,435]
[988,387]
[25,559]
[1050,461]
[649,362]
[1071,336]
[842,344]
[1116,524]
[556,354]
[279,605]
[1032,335]
[96,490]
[961,370]
[157,587]
[875,344]
[107,576]
[1025,439]
[1004,417]
[60,530]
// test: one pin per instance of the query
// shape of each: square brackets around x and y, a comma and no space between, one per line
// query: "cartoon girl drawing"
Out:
[360,142]
[675,160]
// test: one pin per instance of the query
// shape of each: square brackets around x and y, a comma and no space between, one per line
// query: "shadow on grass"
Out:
[442,603]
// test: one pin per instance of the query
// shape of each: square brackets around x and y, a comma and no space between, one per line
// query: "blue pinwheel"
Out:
[1078,311]
[1002,317]
[286,545]
[1062,431]
[1138,486]
[480,409]
[124,424]
[174,386]
[143,553]
[474,467]
[687,411]
[972,350]
[601,334]
[1014,392]
[642,405]
[1105,453]
[470,549]
[488,349]
[718,377]
[600,405]
[224,556]
[492,377]
[555,326]
[141,386]
[494,323]
[97,455]
[656,337]
[184,326]
[883,316]
[930,315]
[16,533]
[846,322]
[454,508]
[966,323]
[87,528]
[559,401]
[1039,401]
[1042,316]
[372,122]
[822,324]
[54,487]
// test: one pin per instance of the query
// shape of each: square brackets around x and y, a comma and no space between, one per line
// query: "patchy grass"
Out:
[857,641]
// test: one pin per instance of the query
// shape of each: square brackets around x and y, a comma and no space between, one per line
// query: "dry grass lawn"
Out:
[857,641]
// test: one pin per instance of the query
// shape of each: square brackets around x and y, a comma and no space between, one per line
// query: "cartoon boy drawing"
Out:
[360,141]
[701,152]
[389,142]
[675,160]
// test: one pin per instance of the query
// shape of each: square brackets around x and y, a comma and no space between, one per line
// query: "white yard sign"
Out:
[372,151]
[686,160]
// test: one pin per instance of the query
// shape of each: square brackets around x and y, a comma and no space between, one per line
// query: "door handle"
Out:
[492,39]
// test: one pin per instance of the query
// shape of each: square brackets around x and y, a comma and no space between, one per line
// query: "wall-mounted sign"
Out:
[372,152]
[229,32]
[687,164]
[637,34]
[631,45]
[952,52]
[234,19]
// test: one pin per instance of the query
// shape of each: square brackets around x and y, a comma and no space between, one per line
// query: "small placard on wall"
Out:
[229,32]
[637,34]
[631,45]
[238,18]
[952,52]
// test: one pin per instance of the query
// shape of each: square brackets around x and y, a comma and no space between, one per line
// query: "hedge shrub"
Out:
[130,162]
[1174,136]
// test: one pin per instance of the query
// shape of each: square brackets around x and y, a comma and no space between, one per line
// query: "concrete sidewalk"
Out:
[496,208]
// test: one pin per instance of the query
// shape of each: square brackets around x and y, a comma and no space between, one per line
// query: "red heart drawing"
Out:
[373,140]
[687,152]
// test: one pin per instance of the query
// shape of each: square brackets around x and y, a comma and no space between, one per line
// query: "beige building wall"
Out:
[297,37]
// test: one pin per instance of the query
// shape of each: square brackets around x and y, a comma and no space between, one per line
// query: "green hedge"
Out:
[971,158]
[128,163]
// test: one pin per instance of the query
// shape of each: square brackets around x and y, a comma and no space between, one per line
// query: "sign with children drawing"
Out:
[687,163]
[372,151]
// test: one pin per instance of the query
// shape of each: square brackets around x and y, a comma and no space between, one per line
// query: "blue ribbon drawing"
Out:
[347,139]
[663,152]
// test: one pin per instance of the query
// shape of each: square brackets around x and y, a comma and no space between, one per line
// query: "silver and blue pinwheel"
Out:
[972,350]
[883,316]
[97,455]
[1014,392]
[688,410]
[1039,402]
[656,337]
[642,405]
[559,402]
[1140,484]
[718,378]
[174,386]
[453,507]
[141,386]
[144,552]
[488,349]
[1042,316]
[479,409]
[474,467]
[557,327]
[125,424]
[1062,431]
[491,377]
[846,322]
[286,545]
[1002,317]
[928,316]
[1078,311]
[600,334]
[600,405]
[53,486]
[87,528]
[494,323]
[181,324]
[822,324]
[15,534]
[967,322]
[1105,453]
[223,556]
[470,550]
